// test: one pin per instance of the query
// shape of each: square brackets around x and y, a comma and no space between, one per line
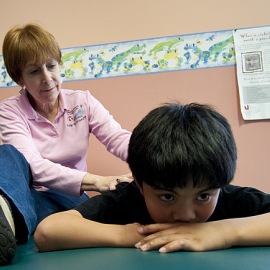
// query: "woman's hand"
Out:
[92,182]
[186,236]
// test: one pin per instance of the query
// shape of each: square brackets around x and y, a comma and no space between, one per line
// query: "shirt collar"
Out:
[29,110]
[62,102]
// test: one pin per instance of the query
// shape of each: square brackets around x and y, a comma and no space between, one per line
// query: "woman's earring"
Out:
[22,91]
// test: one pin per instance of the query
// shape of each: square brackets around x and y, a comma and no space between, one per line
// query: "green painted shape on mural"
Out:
[217,48]
[119,58]
[74,55]
[166,45]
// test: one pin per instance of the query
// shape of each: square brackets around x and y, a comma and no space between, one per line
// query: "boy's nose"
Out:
[184,215]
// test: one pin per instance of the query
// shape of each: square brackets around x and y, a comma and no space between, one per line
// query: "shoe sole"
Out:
[7,241]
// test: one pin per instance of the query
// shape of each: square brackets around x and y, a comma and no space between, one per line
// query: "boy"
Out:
[183,158]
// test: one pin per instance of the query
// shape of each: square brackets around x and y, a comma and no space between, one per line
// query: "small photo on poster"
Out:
[252,62]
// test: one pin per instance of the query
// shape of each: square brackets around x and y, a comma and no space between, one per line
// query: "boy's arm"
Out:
[69,230]
[222,234]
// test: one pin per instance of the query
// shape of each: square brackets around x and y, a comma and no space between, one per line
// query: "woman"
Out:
[50,127]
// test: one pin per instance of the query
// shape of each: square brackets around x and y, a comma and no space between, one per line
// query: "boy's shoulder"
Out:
[239,191]
[236,202]
[123,205]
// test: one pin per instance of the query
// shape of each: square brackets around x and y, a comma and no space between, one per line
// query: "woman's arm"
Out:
[69,230]
[93,182]
[108,131]
[54,163]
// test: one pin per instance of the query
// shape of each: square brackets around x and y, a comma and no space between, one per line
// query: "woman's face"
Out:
[42,81]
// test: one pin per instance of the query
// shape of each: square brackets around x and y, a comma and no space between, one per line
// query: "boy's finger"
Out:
[156,243]
[150,238]
[152,228]
[174,246]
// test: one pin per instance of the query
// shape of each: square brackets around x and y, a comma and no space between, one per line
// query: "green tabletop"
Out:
[27,257]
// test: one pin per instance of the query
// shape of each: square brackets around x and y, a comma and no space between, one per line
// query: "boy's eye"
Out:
[167,197]
[203,197]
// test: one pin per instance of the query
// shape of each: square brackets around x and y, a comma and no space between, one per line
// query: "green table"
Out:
[27,257]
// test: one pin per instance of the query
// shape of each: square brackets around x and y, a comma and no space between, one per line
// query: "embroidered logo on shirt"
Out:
[79,114]
[70,118]
[76,115]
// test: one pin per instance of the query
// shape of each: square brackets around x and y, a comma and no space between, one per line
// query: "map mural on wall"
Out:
[174,53]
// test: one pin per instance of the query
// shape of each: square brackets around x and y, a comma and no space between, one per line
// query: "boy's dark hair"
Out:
[175,144]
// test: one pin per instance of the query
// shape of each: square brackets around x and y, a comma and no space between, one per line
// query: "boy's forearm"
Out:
[251,231]
[66,231]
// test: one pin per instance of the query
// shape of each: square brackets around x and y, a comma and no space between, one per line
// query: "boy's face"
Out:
[187,204]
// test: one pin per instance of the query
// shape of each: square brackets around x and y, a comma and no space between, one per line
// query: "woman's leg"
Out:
[15,179]
[15,176]
[50,202]
[28,206]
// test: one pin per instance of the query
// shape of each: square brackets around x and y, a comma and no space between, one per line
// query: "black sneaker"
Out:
[7,240]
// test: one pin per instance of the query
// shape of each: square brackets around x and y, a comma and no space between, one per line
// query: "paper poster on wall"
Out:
[252,52]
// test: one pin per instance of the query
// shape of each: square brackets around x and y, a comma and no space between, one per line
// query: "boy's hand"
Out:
[186,236]
[129,235]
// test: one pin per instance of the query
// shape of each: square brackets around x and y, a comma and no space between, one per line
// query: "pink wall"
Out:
[130,98]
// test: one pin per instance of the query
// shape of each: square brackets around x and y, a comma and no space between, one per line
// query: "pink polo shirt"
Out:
[57,151]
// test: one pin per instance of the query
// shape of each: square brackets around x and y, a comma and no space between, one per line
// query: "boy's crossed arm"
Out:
[69,230]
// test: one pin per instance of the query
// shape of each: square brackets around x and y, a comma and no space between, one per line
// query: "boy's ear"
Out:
[138,185]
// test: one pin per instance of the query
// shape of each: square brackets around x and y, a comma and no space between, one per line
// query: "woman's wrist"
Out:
[89,182]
